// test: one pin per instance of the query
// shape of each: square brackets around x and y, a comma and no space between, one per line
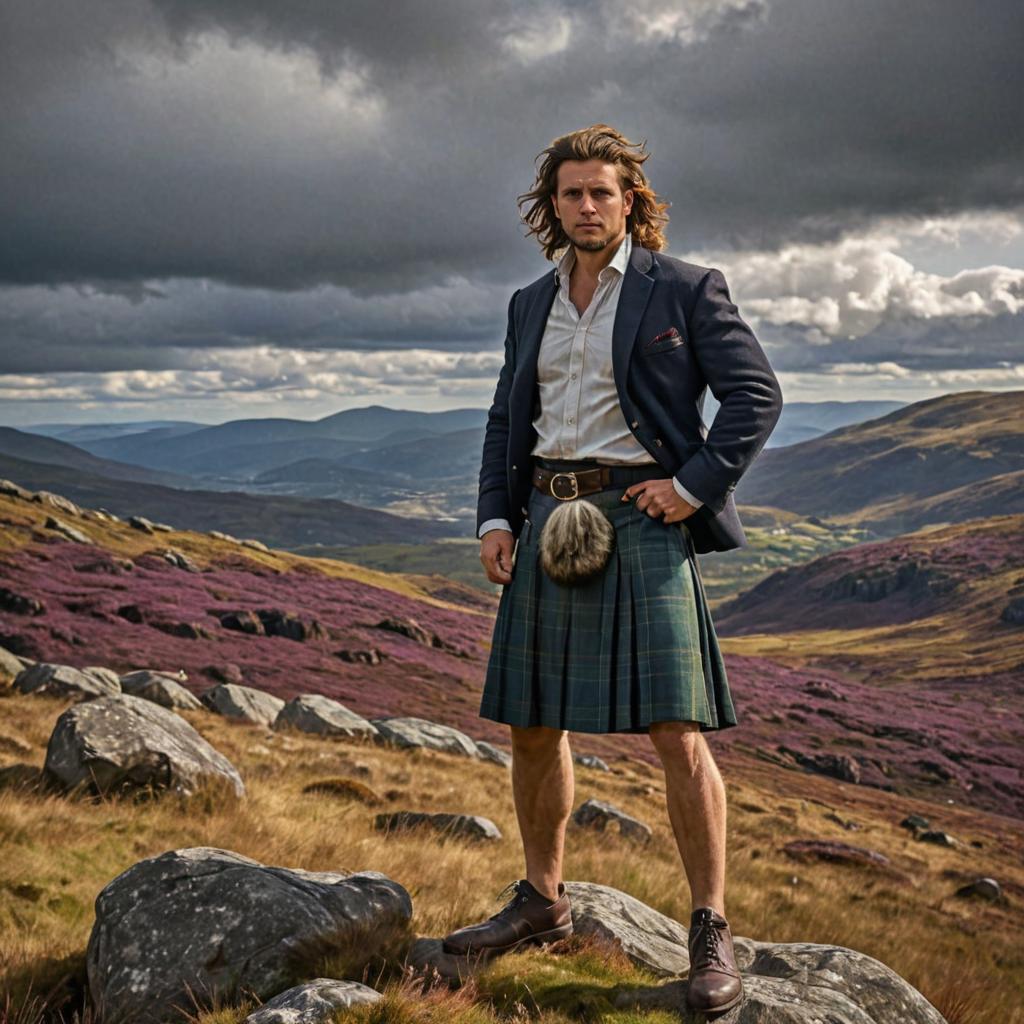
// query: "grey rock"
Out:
[591,761]
[915,822]
[313,1002]
[937,836]
[215,922]
[313,712]
[180,560]
[804,983]
[162,527]
[20,604]
[161,688]
[57,501]
[1014,612]
[464,826]
[250,542]
[122,742]
[140,523]
[489,752]
[986,888]
[419,732]
[223,536]
[58,525]
[245,702]
[597,814]
[50,680]
[9,487]
[10,664]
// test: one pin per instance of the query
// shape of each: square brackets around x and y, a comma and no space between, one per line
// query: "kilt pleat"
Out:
[632,646]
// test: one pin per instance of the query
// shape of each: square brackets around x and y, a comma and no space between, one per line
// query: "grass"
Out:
[58,853]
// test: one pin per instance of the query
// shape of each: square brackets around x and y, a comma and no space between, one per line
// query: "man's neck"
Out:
[590,263]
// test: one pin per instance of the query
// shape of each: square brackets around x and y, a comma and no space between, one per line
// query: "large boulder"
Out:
[216,923]
[313,712]
[598,814]
[49,680]
[123,743]
[243,702]
[161,688]
[10,665]
[419,732]
[462,826]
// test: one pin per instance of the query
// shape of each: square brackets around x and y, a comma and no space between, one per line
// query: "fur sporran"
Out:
[576,542]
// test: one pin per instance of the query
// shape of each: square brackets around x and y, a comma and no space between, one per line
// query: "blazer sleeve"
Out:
[492,498]
[739,376]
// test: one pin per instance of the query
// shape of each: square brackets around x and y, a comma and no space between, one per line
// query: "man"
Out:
[607,358]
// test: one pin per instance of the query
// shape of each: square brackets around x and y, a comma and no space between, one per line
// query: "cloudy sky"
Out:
[223,208]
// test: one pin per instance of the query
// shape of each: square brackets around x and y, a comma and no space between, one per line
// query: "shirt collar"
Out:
[619,262]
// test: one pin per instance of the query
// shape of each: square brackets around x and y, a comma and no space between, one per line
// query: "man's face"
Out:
[590,203]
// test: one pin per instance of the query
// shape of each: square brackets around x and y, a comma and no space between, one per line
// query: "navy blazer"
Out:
[676,332]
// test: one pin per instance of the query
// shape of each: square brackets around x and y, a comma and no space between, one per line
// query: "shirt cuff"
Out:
[494,524]
[684,493]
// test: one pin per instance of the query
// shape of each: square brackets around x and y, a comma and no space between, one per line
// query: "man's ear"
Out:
[627,198]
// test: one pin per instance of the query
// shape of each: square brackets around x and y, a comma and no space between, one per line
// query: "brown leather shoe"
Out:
[528,918]
[714,982]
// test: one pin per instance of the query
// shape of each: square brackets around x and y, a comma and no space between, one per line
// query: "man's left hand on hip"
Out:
[659,498]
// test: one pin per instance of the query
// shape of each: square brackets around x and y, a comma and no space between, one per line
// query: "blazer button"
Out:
[515,467]
[635,423]
[657,441]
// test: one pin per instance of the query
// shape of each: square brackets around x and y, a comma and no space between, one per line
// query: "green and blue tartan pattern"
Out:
[632,646]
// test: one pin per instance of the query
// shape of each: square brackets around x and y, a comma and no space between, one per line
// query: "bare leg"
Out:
[695,795]
[542,785]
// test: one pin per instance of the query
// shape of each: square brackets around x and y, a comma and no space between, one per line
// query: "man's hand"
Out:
[496,555]
[659,498]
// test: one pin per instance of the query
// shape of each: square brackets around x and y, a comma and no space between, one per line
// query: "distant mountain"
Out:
[941,460]
[79,433]
[17,444]
[281,521]
[802,421]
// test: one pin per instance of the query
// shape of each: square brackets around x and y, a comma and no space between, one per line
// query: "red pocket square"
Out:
[670,333]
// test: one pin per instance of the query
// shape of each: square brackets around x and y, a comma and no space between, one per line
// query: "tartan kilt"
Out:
[632,646]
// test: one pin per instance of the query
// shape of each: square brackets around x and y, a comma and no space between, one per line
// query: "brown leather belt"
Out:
[568,484]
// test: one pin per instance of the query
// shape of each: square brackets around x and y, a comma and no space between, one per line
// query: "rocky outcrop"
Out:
[65,530]
[419,732]
[20,604]
[489,752]
[49,680]
[597,815]
[312,712]
[124,743]
[215,922]
[160,688]
[463,826]
[313,1003]
[243,702]
[591,761]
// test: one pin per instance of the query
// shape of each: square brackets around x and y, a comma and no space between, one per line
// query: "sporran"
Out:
[576,542]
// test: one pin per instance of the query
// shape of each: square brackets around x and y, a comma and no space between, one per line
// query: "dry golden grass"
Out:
[57,853]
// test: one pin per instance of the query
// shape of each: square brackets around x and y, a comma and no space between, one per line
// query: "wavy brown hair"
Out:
[645,221]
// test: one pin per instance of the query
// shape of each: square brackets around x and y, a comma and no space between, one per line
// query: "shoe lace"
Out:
[708,951]
[520,896]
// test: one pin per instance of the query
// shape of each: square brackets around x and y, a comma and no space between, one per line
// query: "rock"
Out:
[836,851]
[936,836]
[161,688]
[162,527]
[804,983]
[19,604]
[50,680]
[10,664]
[419,732]
[24,778]
[596,814]
[1013,613]
[312,712]
[372,656]
[288,624]
[839,766]
[914,822]
[123,743]
[313,1003]
[243,622]
[218,923]
[131,613]
[186,630]
[464,826]
[226,673]
[250,542]
[53,523]
[140,523]
[821,688]
[591,761]
[489,752]
[223,536]
[986,888]
[180,560]
[649,938]
[10,488]
[407,627]
[243,702]
[57,501]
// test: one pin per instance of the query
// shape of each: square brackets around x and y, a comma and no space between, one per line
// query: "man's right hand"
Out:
[496,555]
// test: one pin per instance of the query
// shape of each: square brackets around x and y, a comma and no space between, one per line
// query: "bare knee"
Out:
[536,739]
[679,744]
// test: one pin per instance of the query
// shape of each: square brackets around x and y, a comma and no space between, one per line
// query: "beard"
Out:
[586,241]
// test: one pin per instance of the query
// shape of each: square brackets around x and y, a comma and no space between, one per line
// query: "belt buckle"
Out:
[575,487]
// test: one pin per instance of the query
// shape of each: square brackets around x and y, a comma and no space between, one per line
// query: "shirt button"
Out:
[515,467]
[635,423]
[572,376]
[569,420]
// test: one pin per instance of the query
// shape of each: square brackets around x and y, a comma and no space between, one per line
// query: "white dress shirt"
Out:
[580,416]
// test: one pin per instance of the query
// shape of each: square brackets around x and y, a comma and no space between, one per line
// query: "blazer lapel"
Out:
[633,298]
[529,343]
